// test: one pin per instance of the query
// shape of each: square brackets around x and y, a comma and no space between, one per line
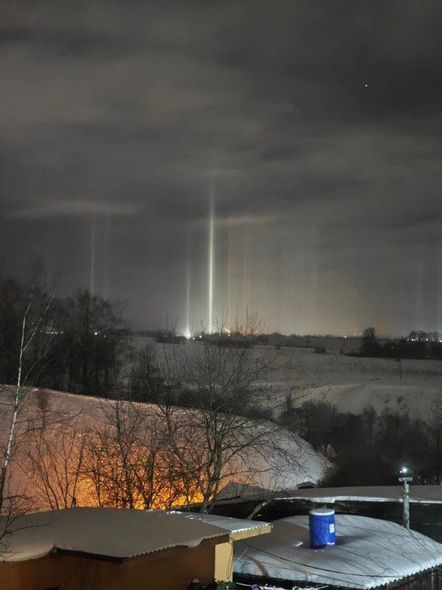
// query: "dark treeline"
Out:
[369,448]
[79,341]
[417,345]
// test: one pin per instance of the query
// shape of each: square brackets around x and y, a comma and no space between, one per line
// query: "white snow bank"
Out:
[369,553]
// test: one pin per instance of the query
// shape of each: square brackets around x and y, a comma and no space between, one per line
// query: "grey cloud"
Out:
[66,43]
[56,208]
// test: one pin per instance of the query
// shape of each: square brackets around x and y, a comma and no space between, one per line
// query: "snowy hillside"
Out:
[419,402]
[352,383]
[287,462]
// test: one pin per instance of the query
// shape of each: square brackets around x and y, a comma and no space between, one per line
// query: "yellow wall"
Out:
[171,570]
[224,561]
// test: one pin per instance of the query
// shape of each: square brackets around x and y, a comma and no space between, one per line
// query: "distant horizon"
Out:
[379,336]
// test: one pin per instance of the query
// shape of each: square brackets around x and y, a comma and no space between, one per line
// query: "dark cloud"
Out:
[60,208]
[317,124]
[66,43]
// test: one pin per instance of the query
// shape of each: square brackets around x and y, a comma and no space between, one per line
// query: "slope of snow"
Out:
[369,553]
[419,402]
[283,464]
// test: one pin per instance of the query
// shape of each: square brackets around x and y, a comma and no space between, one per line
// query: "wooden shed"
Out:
[108,549]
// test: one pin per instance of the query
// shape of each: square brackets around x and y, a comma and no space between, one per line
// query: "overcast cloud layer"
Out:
[317,124]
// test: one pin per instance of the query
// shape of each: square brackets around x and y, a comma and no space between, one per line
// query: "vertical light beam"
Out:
[211,260]
[188,331]
[92,259]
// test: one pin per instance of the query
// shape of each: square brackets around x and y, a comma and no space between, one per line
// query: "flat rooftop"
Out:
[420,494]
[428,494]
[369,552]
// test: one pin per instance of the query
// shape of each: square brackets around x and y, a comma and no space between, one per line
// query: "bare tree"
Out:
[13,507]
[209,424]
[202,431]
[129,463]
[37,305]
[55,458]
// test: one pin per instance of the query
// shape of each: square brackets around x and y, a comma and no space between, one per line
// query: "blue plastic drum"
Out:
[322,528]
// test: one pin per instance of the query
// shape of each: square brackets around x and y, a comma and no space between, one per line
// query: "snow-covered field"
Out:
[419,402]
[304,368]
[351,383]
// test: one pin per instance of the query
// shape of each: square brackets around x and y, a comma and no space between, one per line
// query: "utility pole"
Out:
[405,477]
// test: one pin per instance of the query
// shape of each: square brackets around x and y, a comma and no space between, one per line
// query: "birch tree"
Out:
[36,306]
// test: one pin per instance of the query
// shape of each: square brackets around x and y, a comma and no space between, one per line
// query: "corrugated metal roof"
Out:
[236,527]
[109,533]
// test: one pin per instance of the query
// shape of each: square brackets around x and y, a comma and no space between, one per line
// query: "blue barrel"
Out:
[322,528]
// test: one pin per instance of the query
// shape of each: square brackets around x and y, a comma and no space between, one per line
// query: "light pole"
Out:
[405,477]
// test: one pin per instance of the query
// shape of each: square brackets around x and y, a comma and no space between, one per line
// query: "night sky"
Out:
[315,124]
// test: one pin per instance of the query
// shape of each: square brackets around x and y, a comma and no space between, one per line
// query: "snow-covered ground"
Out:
[368,553]
[419,402]
[304,368]
[352,383]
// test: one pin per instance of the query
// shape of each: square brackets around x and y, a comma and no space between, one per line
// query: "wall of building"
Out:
[62,572]
[224,561]
[174,572]
[170,570]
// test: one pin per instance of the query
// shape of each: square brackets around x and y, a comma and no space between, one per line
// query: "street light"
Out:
[405,477]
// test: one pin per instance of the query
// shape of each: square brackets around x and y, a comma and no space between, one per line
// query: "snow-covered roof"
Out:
[421,494]
[106,533]
[369,553]
[119,534]
[236,527]
[425,494]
